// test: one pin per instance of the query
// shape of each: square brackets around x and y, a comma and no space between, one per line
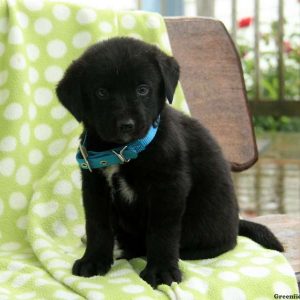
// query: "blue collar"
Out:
[96,160]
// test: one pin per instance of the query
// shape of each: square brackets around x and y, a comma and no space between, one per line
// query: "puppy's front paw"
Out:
[155,275]
[87,267]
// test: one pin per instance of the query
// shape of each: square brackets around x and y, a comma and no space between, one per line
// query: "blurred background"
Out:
[267,36]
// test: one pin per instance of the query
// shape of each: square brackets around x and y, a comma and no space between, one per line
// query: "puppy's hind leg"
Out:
[204,253]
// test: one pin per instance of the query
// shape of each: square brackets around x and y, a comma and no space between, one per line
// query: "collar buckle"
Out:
[120,155]
[84,154]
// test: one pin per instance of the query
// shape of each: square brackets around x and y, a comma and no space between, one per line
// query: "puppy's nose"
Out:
[126,126]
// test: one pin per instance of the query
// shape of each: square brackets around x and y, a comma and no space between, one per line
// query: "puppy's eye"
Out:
[142,90]
[102,93]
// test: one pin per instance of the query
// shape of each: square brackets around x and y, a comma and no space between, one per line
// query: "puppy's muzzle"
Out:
[126,126]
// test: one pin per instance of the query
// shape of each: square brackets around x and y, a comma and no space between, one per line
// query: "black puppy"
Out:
[176,199]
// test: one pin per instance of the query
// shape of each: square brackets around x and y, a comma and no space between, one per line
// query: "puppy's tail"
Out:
[260,234]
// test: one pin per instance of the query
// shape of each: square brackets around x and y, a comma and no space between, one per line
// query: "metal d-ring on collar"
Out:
[120,155]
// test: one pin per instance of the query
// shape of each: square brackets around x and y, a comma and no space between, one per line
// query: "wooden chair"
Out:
[212,80]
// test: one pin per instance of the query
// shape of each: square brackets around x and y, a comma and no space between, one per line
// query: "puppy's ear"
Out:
[170,71]
[69,92]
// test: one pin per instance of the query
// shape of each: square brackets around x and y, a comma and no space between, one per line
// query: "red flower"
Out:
[245,22]
[287,47]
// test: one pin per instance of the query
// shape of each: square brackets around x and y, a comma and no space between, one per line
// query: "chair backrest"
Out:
[212,80]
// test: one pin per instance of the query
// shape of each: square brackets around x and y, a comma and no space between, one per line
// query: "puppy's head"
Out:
[119,87]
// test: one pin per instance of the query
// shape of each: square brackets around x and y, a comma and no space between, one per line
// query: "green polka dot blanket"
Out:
[41,215]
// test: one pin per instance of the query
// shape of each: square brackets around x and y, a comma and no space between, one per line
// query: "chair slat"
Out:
[212,80]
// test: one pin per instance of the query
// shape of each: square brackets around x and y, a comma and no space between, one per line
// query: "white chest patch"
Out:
[109,173]
[125,191]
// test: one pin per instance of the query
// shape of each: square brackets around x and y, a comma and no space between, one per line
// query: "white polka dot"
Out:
[57,146]
[165,41]
[74,143]
[27,88]
[71,212]
[48,254]
[42,282]
[36,196]
[69,160]
[22,256]
[3,25]
[121,272]
[255,271]
[61,12]
[42,26]
[11,2]
[81,39]
[45,209]
[76,178]
[128,21]
[136,36]
[281,288]
[3,77]
[79,230]
[23,175]
[133,289]
[242,254]
[56,48]
[119,280]
[153,22]
[1,207]
[53,175]
[95,295]
[18,61]
[229,276]
[197,284]
[43,96]
[33,75]
[25,296]
[252,246]
[105,27]
[8,144]
[17,200]
[89,285]
[13,111]
[86,16]
[22,222]
[270,253]
[15,266]
[58,112]
[2,48]
[285,269]
[33,5]
[226,263]
[10,246]
[71,279]
[31,111]
[180,294]
[22,19]
[53,74]
[70,126]
[15,36]
[261,260]
[58,263]
[7,166]
[59,229]
[66,295]
[230,293]
[25,134]
[63,187]
[43,132]
[4,94]
[204,271]
[33,52]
